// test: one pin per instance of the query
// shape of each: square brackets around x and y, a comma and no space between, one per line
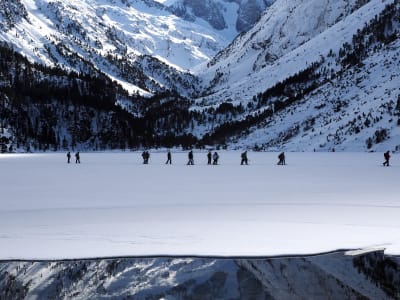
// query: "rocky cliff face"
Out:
[238,15]
[331,276]
[249,13]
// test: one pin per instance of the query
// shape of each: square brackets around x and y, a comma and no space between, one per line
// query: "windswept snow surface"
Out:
[112,205]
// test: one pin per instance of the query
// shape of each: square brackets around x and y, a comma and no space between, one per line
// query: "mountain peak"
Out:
[228,17]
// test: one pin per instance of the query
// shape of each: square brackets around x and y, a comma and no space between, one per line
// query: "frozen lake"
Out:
[113,205]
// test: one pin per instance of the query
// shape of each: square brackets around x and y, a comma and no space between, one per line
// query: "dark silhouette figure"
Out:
[68,157]
[209,156]
[77,158]
[169,158]
[215,158]
[146,157]
[244,158]
[190,156]
[386,155]
[281,158]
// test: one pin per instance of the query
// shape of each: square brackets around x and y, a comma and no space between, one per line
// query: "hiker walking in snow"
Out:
[77,158]
[209,156]
[68,157]
[244,158]
[215,158]
[281,158]
[386,155]
[190,156]
[145,156]
[169,158]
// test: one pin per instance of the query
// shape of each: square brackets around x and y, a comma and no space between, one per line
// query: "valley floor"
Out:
[112,205]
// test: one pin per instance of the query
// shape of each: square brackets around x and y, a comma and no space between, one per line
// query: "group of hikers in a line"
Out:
[212,158]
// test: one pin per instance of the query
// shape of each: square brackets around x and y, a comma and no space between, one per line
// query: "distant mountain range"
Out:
[268,75]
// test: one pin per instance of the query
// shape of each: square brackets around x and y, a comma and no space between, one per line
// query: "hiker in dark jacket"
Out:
[68,157]
[146,157]
[244,158]
[169,158]
[209,157]
[190,156]
[281,158]
[77,158]
[215,158]
[386,155]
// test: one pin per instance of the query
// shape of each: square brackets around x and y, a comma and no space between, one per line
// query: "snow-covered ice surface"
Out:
[112,205]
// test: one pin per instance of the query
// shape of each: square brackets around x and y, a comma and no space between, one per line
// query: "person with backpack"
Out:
[169,158]
[244,158]
[190,156]
[77,158]
[215,158]
[386,155]
[146,157]
[209,156]
[281,158]
[68,157]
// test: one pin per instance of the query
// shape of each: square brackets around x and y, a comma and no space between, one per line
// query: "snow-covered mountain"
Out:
[285,27]
[309,75]
[305,57]
[227,16]
[332,276]
[139,43]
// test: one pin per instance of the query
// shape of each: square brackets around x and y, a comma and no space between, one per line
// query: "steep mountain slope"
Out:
[358,109]
[334,276]
[330,66]
[285,26]
[228,17]
[139,43]
[303,78]
[44,108]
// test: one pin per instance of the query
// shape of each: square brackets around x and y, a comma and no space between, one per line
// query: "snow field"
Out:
[112,205]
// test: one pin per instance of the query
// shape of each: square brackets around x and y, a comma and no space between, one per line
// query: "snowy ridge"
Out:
[282,43]
[333,275]
[305,64]
[242,78]
[105,31]
[343,114]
